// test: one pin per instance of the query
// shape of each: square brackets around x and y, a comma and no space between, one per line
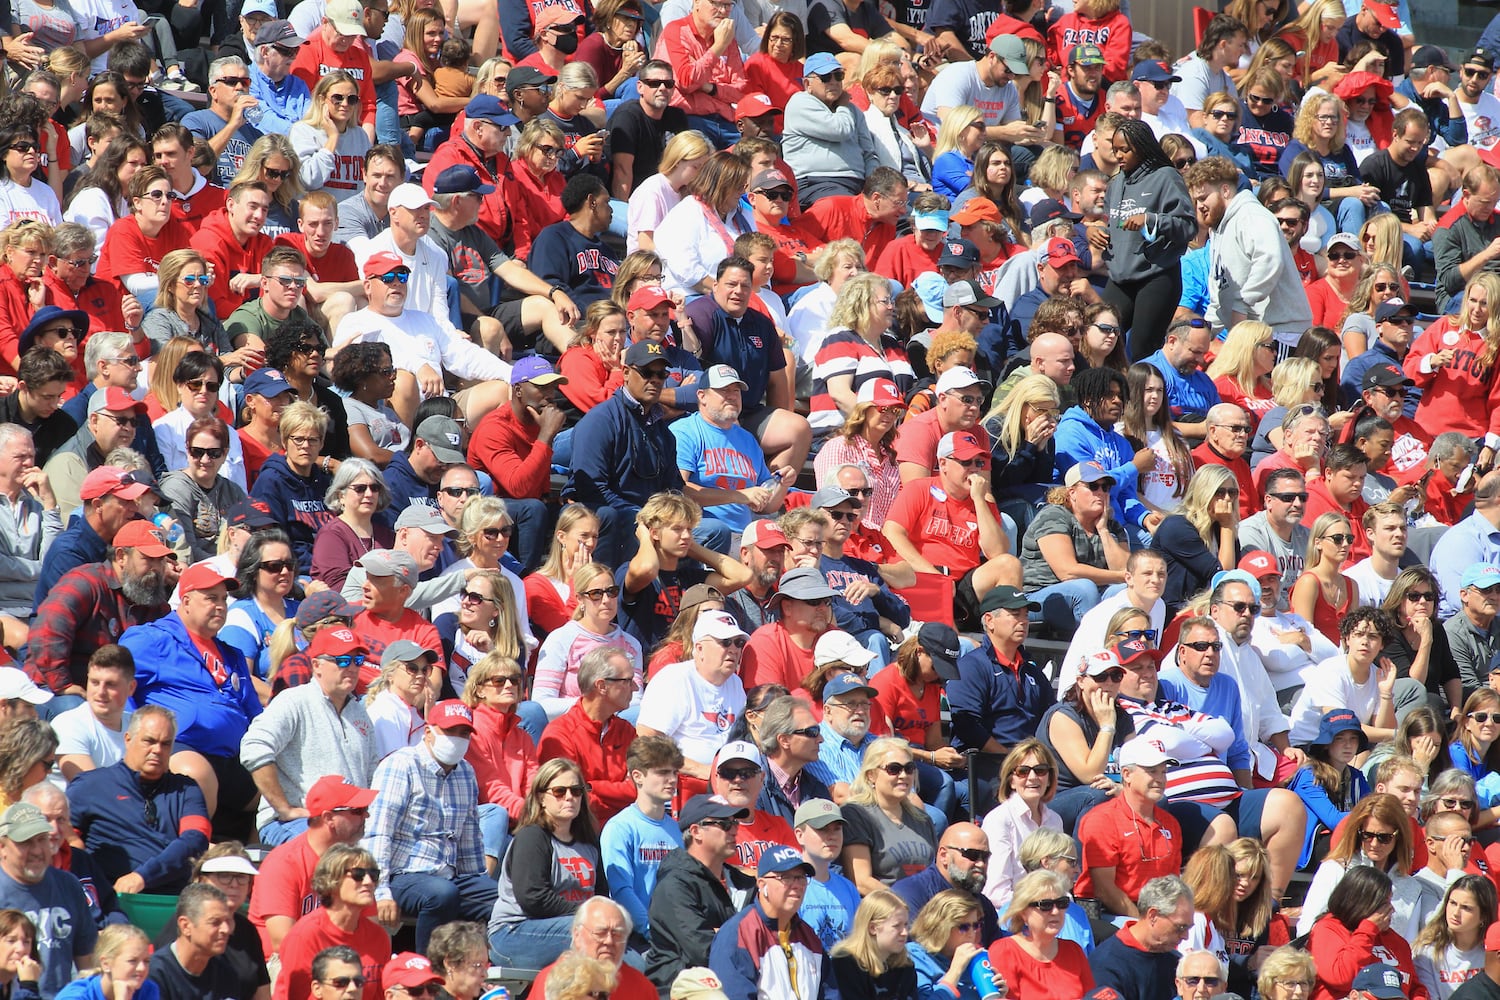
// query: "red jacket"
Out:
[494,215]
[1112,33]
[1460,396]
[1319,502]
[503,758]
[509,451]
[217,243]
[15,314]
[1340,953]
[100,301]
[536,204]
[845,215]
[597,748]
[590,382]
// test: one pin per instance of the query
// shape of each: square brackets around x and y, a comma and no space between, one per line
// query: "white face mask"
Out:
[449,750]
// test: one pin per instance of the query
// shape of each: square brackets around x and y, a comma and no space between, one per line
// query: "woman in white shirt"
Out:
[681,160]
[100,198]
[400,696]
[23,194]
[702,227]
[1028,780]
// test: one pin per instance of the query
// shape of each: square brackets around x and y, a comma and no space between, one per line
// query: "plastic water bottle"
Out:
[982,975]
[170,528]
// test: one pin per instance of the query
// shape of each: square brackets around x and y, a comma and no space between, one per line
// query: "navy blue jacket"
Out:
[992,701]
[406,486]
[622,455]
[109,809]
[750,346]
[296,504]
[1132,972]
[865,615]
[78,545]
[919,888]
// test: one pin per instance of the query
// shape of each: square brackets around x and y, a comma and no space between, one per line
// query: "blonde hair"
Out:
[1236,357]
[274,144]
[1386,229]
[827,259]
[880,905]
[1054,169]
[862,791]
[1290,379]
[877,52]
[1309,26]
[170,270]
[1490,282]
[1004,421]
[575,976]
[955,122]
[856,302]
[936,919]
[1319,528]
[571,516]
[1198,500]
[480,673]
[505,633]
[689,145]
[315,115]
[164,364]
[304,416]
[1284,963]
[582,576]
[113,939]
[1040,884]
[1307,120]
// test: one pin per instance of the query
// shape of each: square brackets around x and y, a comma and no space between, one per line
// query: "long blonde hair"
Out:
[572,514]
[315,115]
[1290,379]
[267,146]
[882,904]
[1309,26]
[1004,420]
[1236,357]
[954,123]
[1490,282]
[1197,502]
[1386,229]
[505,633]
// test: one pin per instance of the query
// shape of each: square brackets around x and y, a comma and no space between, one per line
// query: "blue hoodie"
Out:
[169,671]
[1079,438]
[296,504]
[89,989]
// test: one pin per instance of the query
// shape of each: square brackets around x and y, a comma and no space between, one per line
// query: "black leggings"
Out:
[1146,308]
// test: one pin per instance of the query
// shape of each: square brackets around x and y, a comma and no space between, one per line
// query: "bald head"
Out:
[963,856]
[1224,413]
[1487,492]
[1052,356]
[1447,824]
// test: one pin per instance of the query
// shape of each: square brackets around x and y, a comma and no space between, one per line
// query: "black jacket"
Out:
[687,908]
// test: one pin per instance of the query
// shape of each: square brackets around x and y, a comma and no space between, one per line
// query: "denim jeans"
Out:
[717,130]
[436,901]
[276,832]
[1064,604]
[533,535]
[531,944]
[494,829]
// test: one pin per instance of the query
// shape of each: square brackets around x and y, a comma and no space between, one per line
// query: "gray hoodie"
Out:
[1251,270]
[820,141]
[1170,221]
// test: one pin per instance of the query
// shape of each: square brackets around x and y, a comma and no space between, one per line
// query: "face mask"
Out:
[449,750]
[567,44]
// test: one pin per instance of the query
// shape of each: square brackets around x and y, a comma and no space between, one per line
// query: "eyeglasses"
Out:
[398,276]
[548,151]
[277,175]
[895,770]
[738,642]
[1483,717]
[363,488]
[363,874]
[1204,645]
[1379,838]
[497,533]
[849,706]
[417,668]
[1235,429]
[1202,980]
[738,774]
[600,593]
[196,279]
[343,99]
[1113,675]
[130,422]
[1457,805]
[628,679]
[23,146]
[1343,257]
[659,84]
[1295,985]
[348,660]
[1049,905]
[776,194]
[201,385]
[287,282]
[1327,119]
[560,792]
[1339,537]
[1239,607]
[1027,770]
[1290,497]
[471,597]
[277,565]
[304,440]
[344,982]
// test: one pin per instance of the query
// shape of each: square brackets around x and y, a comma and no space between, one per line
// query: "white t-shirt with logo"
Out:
[960,84]
[695,713]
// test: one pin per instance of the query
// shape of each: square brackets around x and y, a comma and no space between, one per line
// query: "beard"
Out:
[147,589]
[969,881]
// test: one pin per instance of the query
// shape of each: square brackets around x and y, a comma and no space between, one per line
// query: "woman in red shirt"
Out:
[908,697]
[1242,369]
[536,185]
[1453,363]
[24,246]
[1356,932]
[776,70]
[594,363]
[345,881]
[501,752]
[1032,961]
[135,245]
[1315,36]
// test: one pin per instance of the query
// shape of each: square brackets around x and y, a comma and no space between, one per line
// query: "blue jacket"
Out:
[1354,376]
[1322,812]
[78,545]
[170,671]
[919,888]
[296,504]
[1133,972]
[952,173]
[1079,438]
[750,346]
[622,455]
[108,808]
[406,486]
[989,700]
[89,989]
[930,970]
[751,963]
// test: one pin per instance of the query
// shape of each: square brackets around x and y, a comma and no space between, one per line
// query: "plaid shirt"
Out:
[84,611]
[295,671]
[425,819]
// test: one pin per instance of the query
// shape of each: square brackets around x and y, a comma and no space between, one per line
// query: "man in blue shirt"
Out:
[1190,392]
[1475,539]
[831,898]
[283,97]
[1000,695]
[962,862]
[1393,337]
[225,124]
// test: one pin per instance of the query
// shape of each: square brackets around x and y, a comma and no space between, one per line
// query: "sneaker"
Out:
[179,83]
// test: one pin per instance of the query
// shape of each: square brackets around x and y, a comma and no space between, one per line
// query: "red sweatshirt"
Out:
[494,215]
[1319,501]
[599,748]
[1112,33]
[1340,953]
[589,381]
[1462,395]
[504,759]
[15,314]
[217,243]
[509,451]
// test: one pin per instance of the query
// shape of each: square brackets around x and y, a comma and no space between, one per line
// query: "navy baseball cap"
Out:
[487,108]
[958,252]
[1154,71]
[461,179]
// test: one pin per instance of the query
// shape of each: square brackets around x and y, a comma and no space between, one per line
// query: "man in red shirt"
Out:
[333,287]
[1291,216]
[1080,101]
[771,196]
[960,393]
[71,285]
[480,145]
[339,44]
[1112,870]
[917,252]
[193,199]
[868,218]
[1340,490]
[601,931]
[1384,390]
[283,891]
[231,241]
[939,524]
[390,575]
[514,445]
[592,732]
[781,652]
[708,67]
[1225,443]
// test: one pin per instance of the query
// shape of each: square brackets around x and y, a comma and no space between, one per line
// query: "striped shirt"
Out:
[844,352]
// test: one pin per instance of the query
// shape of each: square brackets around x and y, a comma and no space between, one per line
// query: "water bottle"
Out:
[495,992]
[982,975]
[171,530]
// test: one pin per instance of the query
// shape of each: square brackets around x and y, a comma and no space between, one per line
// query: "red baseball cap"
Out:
[1258,564]
[961,445]
[382,263]
[336,642]
[409,969]
[143,536]
[111,479]
[202,576]
[764,535]
[1060,252]
[450,714]
[648,297]
[1492,938]
[1384,13]
[114,398]
[334,791]
[879,392]
[753,105]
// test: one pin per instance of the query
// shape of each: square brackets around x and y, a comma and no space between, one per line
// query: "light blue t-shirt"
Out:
[1190,395]
[633,846]
[720,458]
[829,908]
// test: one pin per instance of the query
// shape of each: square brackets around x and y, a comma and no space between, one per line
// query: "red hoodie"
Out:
[494,215]
[503,758]
[1340,953]
[15,314]
[1381,118]
[1112,33]
[1462,395]
[599,748]
[216,242]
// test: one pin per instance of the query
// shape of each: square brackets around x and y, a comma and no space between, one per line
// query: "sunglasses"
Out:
[811,732]
[399,276]
[345,662]
[1202,980]
[895,770]
[1223,115]
[1148,634]
[973,854]
[277,175]
[234,81]
[1457,805]
[600,593]
[1040,770]
[1204,645]
[738,774]
[1257,99]
[419,991]
[277,565]
[24,146]
[1339,538]
[197,279]
[1379,838]
[1344,257]
[889,91]
[1420,595]
[969,927]
[1239,607]
[659,84]
[1095,487]
[460,491]
[1295,220]
[560,792]
[1290,497]
[776,194]
[1478,74]
[363,488]
[1050,905]
[344,982]
[308,349]
[1113,675]
[201,385]
[1184,163]
[471,597]
[829,77]
[844,515]
[291,282]
[130,422]
[738,642]
[361,874]
[548,151]
[343,99]
[494,534]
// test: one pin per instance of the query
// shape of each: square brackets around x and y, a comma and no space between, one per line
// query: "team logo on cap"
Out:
[453,439]
[955,248]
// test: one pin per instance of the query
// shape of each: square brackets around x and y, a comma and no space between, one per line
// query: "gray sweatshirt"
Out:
[305,738]
[820,141]
[1170,223]
[1251,270]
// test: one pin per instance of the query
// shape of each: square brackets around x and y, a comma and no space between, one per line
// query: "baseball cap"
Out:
[1011,52]
[324,604]
[409,969]
[962,445]
[1154,70]
[941,643]
[701,807]
[266,382]
[977,209]
[1492,937]
[1100,663]
[1086,472]
[46,316]
[1384,13]
[930,287]
[1006,596]
[450,713]
[1049,209]
[1481,56]
[755,105]
[487,108]
[429,519]
[818,63]
[773,862]
[699,983]
[816,813]
[1059,251]
[803,584]
[1340,720]
[334,791]
[526,76]
[382,263]
[643,353]
[764,535]
[1085,55]
[1479,575]
[1346,240]
[114,398]
[1258,564]
[1385,375]
[1380,980]
[717,625]
[957,377]
[935,221]
[462,178]
[110,480]
[1428,56]
[390,562]
[1393,307]
[22,821]
[339,641]
[348,17]
[738,750]
[848,683]
[697,594]
[958,252]
[203,575]
[649,297]
[443,436]
[769,179]
[554,15]
[250,514]
[538,369]
[143,536]
[1127,651]
[1141,752]
[722,377]
[1233,575]
[411,197]
[280,32]
[968,293]
[15,684]
[265,8]
[229,864]
[829,496]
[838,646]
[879,392]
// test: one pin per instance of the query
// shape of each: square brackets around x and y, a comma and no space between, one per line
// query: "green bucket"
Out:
[149,913]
